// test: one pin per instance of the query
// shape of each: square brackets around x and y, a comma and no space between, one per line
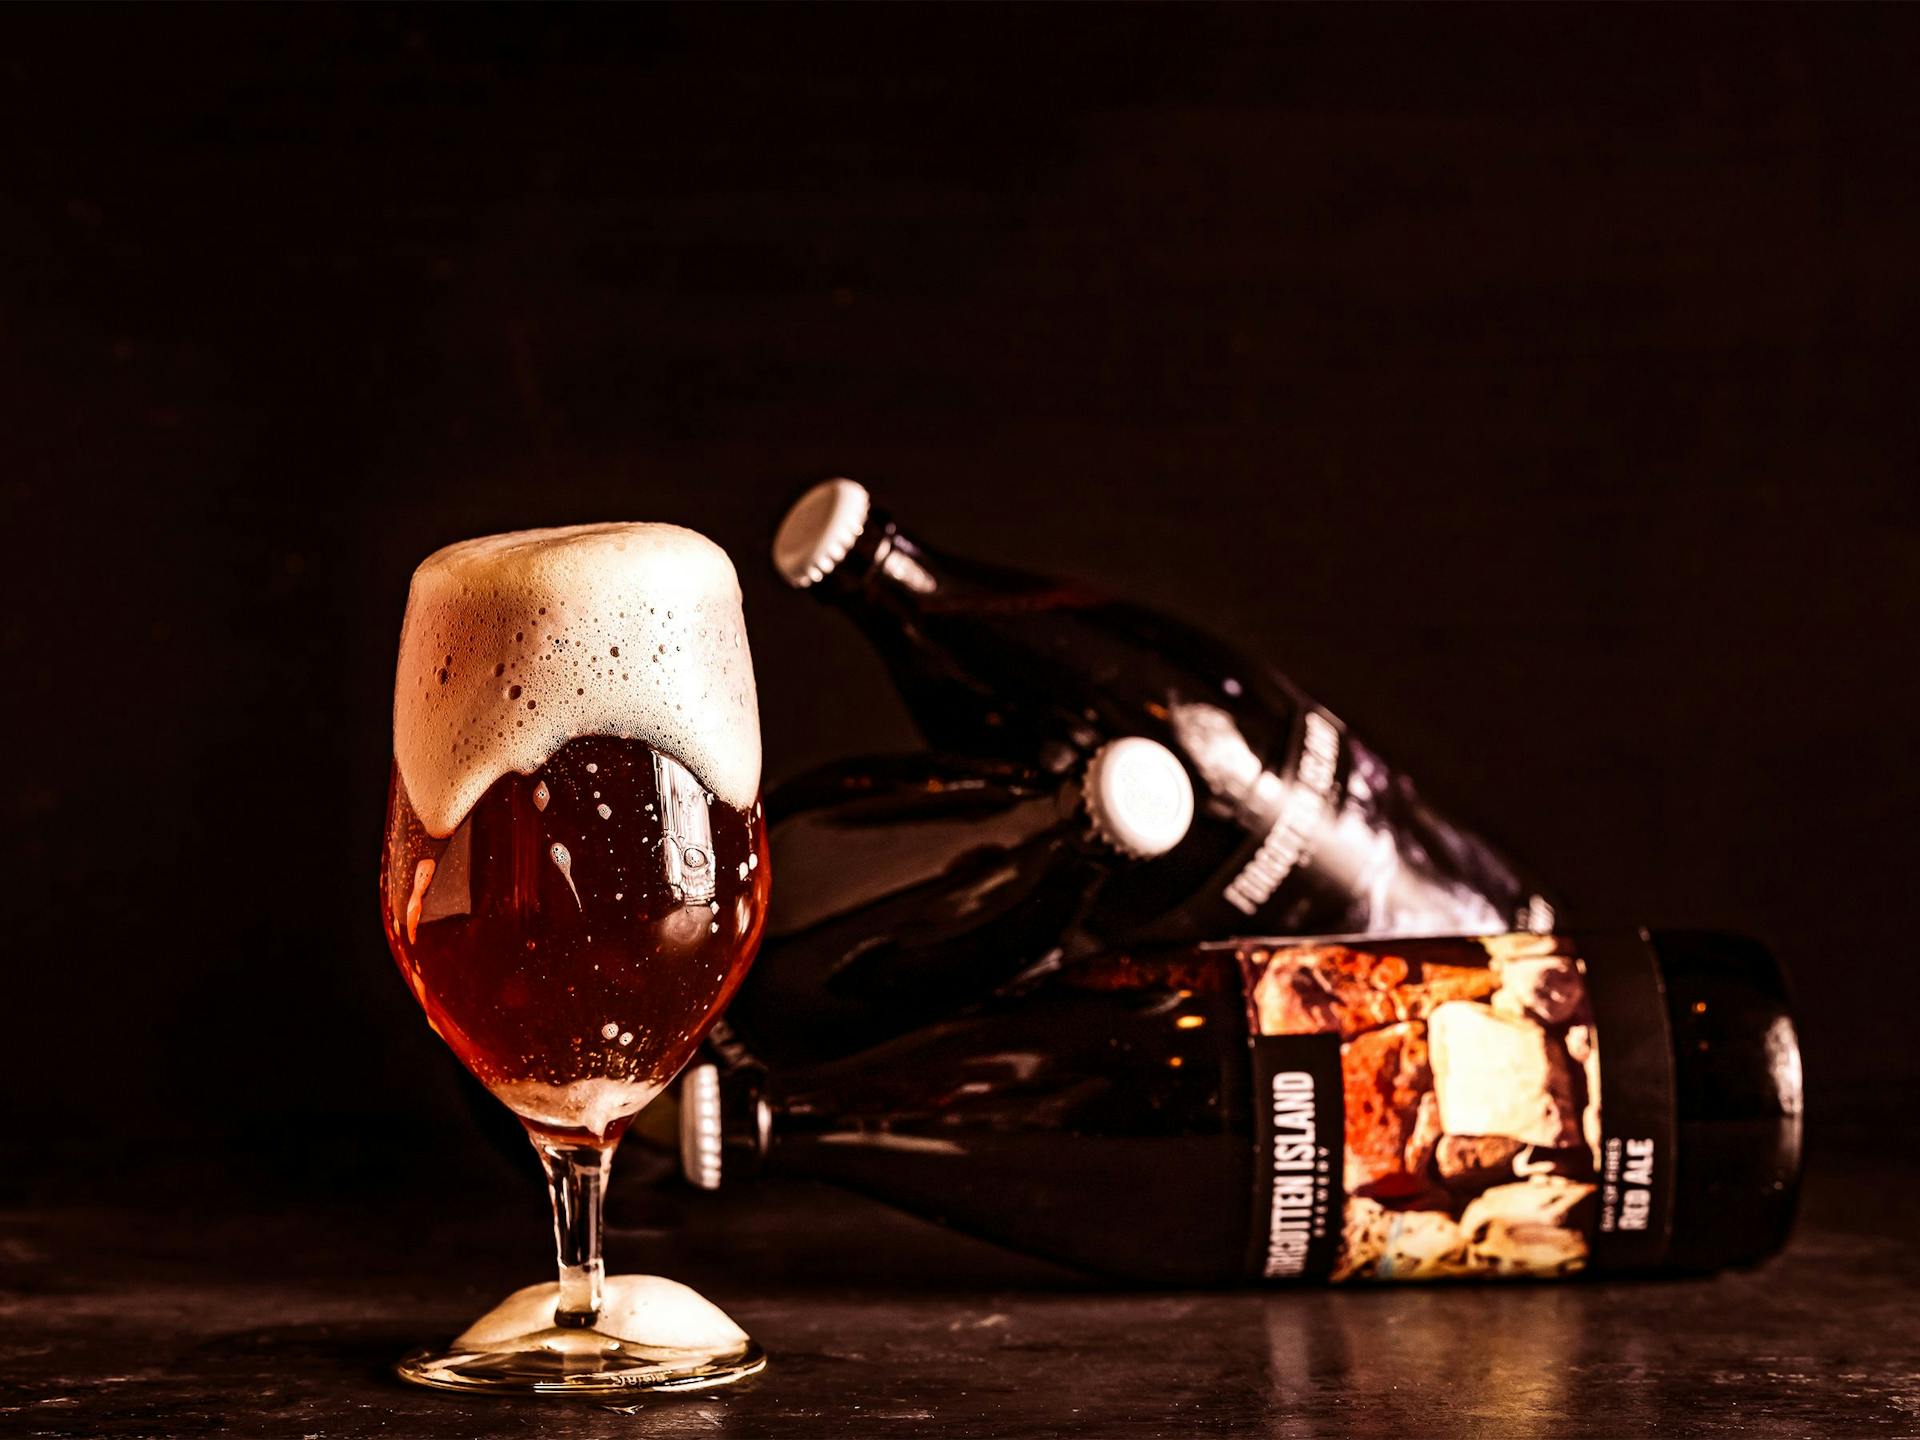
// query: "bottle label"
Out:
[1438,1108]
[1305,803]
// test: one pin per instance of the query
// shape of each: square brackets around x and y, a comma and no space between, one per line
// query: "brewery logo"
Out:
[1302,1175]
[1304,811]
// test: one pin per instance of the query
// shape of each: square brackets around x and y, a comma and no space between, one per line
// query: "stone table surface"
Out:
[177,1315]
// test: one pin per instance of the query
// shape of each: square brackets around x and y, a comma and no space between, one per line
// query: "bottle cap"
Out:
[700,1126]
[1138,796]
[819,530]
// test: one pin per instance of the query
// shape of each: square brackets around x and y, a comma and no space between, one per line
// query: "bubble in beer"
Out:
[609,1030]
[606,811]
[541,795]
[563,862]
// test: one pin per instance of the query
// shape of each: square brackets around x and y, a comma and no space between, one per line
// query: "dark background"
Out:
[1535,386]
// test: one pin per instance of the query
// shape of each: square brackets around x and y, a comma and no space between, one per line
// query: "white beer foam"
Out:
[515,644]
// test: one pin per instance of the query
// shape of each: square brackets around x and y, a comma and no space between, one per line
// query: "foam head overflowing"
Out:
[515,644]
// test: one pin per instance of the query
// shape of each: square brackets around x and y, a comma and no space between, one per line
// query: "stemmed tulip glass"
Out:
[574,881]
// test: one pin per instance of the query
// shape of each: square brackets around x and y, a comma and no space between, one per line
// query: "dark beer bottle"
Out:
[910,885]
[1519,1105]
[1301,829]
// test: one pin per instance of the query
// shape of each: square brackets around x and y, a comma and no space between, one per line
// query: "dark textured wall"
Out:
[1536,386]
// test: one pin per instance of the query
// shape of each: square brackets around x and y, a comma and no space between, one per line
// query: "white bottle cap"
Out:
[700,1126]
[819,530]
[1138,796]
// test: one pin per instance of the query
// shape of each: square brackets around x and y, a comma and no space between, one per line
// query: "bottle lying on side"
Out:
[910,885]
[1301,829]
[1518,1105]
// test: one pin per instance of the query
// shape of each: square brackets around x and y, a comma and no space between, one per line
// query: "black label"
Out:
[1301,1125]
[1635,1222]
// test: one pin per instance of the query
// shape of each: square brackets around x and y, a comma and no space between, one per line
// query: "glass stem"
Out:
[577,1180]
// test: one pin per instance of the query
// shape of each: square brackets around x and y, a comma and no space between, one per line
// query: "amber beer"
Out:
[581,923]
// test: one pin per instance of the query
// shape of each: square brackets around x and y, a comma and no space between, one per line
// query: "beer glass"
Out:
[574,881]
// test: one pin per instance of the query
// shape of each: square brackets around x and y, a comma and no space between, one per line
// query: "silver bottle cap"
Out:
[1138,796]
[700,1126]
[819,530]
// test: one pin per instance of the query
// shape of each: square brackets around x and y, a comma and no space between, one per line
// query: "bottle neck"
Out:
[865,565]
[740,1124]
[888,569]
[901,565]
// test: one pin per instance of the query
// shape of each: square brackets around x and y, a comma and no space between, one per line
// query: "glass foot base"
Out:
[653,1334]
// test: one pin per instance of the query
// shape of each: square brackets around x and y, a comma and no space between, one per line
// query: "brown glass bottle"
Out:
[914,883]
[1220,1113]
[1301,829]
